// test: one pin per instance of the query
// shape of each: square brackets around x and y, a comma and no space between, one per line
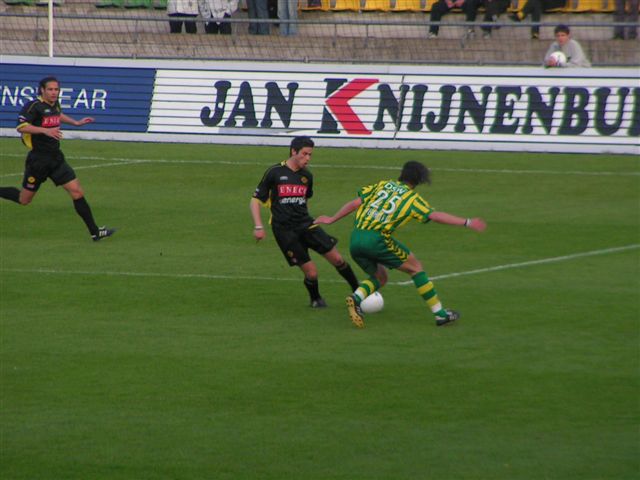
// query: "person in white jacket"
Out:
[571,49]
[182,11]
[213,11]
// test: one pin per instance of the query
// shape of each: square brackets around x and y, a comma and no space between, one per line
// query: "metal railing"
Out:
[371,37]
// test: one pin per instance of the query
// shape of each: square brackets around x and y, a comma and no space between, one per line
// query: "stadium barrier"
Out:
[126,30]
[491,108]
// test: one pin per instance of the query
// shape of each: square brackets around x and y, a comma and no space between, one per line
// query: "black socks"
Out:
[10,193]
[345,272]
[83,209]
[313,287]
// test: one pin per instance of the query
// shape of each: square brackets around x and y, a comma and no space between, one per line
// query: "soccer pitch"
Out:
[181,349]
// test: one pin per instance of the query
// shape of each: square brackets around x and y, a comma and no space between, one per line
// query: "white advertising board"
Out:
[487,110]
[393,106]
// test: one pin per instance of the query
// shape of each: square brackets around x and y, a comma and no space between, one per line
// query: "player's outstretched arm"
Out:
[477,224]
[78,123]
[346,209]
[258,228]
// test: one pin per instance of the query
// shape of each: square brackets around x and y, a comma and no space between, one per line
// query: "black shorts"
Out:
[42,165]
[295,243]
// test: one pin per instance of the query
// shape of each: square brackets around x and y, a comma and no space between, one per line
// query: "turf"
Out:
[181,349]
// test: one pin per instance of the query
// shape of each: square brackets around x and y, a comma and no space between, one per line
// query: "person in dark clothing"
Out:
[492,10]
[285,189]
[39,124]
[442,7]
[535,8]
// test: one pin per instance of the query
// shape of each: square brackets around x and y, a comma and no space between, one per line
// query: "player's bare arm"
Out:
[346,209]
[477,224]
[258,228]
[77,123]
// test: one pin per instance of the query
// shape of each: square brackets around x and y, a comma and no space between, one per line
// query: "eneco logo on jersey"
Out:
[290,190]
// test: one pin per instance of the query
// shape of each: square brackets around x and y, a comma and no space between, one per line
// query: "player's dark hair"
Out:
[298,143]
[563,29]
[415,173]
[43,83]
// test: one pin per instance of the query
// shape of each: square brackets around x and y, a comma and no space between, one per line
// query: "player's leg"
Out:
[342,267]
[374,282]
[34,174]
[370,251]
[63,175]
[10,193]
[297,254]
[74,189]
[312,285]
[26,196]
[427,291]
[321,242]
[82,208]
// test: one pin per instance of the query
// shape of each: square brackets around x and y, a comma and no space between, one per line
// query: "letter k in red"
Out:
[338,103]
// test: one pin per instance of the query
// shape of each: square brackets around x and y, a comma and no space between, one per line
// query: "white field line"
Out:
[530,263]
[82,167]
[206,276]
[354,167]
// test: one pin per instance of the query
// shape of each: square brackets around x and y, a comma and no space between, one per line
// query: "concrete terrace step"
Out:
[143,33]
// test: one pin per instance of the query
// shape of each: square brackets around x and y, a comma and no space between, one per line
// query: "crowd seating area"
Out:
[369,31]
[572,6]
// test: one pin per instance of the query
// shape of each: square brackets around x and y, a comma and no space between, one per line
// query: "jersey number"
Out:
[392,204]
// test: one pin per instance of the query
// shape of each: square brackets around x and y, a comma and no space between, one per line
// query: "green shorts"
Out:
[370,248]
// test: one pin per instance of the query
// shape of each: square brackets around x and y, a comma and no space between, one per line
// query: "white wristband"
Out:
[467,223]
[258,227]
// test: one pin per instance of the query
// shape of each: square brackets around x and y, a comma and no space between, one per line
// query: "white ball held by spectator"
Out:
[560,58]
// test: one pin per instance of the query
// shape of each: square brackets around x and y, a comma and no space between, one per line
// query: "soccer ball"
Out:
[373,303]
[559,57]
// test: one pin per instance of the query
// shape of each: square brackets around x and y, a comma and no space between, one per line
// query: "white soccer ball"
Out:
[373,303]
[559,57]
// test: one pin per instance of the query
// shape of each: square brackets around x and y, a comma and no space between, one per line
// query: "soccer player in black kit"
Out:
[39,123]
[285,188]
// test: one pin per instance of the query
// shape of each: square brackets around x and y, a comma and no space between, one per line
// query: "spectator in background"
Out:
[536,8]
[626,11]
[180,10]
[258,9]
[571,49]
[442,7]
[492,10]
[288,10]
[215,10]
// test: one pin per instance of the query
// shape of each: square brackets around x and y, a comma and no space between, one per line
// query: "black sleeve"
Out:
[28,114]
[264,187]
[310,188]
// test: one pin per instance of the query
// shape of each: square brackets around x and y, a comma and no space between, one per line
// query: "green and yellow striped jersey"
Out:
[388,205]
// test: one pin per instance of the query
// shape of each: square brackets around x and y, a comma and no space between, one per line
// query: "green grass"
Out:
[163,374]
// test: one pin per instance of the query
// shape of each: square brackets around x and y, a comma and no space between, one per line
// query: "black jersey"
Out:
[287,192]
[40,114]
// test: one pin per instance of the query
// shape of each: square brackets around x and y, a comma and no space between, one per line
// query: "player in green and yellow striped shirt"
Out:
[381,209]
